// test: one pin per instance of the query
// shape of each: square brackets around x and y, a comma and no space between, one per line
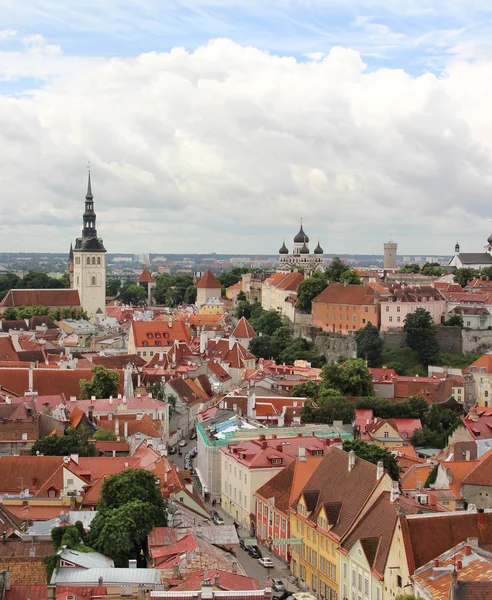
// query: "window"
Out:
[302,528]
[345,571]
[93,260]
[302,573]
[51,493]
[345,592]
[93,280]
[378,593]
[486,394]
[24,436]
[366,586]
[314,536]
[363,320]
[399,581]
[468,324]
[284,524]
[321,564]
[387,308]
[366,309]
[276,520]
[88,260]
[69,481]
[314,582]
[360,583]
[390,319]
[309,534]
[386,434]
[333,572]
[398,319]
[354,578]
[315,559]
[308,553]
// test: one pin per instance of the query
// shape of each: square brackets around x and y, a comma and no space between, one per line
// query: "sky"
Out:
[216,125]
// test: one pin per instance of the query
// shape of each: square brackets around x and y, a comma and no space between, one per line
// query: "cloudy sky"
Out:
[215,125]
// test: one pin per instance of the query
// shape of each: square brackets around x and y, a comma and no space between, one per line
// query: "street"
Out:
[251,566]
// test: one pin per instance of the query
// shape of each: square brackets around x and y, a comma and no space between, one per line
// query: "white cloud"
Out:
[225,148]
[7,34]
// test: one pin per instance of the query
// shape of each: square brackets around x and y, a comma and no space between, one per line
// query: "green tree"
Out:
[433,269]
[228,278]
[241,296]
[486,274]
[454,320]
[309,289]
[327,409]
[133,294]
[103,384]
[334,270]
[130,505]
[10,314]
[351,277]
[243,309]
[374,454]
[75,441]
[190,295]
[420,336]
[369,344]
[104,435]
[410,268]
[113,286]
[406,597]
[263,347]
[307,389]
[350,378]
[465,275]
[170,290]
[267,322]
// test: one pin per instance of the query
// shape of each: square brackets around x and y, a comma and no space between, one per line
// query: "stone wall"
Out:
[334,347]
[393,338]
[450,339]
[476,342]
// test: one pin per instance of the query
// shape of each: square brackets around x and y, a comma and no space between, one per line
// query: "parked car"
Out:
[255,552]
[193,435]
[183,443]
[242,544]
[278,585]
[214,513]
[218,520]
[266,562]
[193,453]
[172,450]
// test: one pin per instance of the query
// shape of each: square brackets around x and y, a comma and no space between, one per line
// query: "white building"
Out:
[89,263]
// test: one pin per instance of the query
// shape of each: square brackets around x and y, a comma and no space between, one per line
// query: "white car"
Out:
[182,443]
[266,562]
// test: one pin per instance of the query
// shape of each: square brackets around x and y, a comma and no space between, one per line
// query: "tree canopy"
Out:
[420,336]
[339,272]
[133,294]
[228,278]
[465,275]
[171,290]
[130,505]
[309,289]
[103,384]
[75,441]
[350,378]
[374,454]
[104,435]
[113,286]
[369,344]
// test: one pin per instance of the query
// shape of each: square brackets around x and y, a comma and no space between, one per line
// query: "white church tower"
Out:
[89,263]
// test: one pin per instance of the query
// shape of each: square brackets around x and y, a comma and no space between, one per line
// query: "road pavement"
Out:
[250,565]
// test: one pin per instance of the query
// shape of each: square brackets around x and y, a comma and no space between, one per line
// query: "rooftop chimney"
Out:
[302,454]
[100,582]
[436,562]
[207,590]
[176,573]
[468,550]
[379,470]
[351,460]
[459,565]
[480,517]
[395,491]
[234,567]
[216,580]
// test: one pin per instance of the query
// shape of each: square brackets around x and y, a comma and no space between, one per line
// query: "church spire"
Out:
[89,195]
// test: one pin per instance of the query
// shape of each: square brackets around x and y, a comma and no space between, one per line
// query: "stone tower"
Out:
[390,255]
[89,262]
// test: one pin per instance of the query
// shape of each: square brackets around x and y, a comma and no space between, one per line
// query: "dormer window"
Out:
[150,336]
[145,343]
[276,461]
[158,343]
[157,335]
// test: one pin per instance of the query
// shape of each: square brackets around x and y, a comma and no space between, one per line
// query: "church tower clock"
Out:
[89,262]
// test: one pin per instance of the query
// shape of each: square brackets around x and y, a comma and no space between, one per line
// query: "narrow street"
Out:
[250,565]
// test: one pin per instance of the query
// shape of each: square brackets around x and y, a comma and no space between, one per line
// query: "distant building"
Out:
[207,288]
[474,260]
[147,281]
[390,255]
[300,258]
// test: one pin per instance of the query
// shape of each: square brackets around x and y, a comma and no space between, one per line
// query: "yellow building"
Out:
[384,434]
[337,495]
[213,306]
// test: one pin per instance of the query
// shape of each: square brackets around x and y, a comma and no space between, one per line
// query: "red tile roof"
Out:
[427,536]
[26,592]
[243,329]
[159,333]
[57,297]
[485,361]
[146,277]
[337,293]
[209,281]
[234,356]
[481,473]
[478,421]
[7,350]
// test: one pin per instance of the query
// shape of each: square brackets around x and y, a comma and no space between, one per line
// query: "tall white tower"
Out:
[390,255]
[89,262]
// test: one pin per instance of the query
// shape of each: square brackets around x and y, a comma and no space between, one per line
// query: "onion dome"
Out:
[284,249]
[301,237]
[489,239]
[318,249]
[304,250]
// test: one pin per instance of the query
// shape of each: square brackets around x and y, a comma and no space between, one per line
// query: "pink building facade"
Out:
[406,300]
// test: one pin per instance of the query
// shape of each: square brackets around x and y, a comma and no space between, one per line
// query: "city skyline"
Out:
[215,126]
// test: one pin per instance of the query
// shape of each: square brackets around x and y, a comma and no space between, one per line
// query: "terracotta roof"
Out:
[209,281]
[375,531]
[417,473]
[146,425]
[472,590]
[159,333]
[481,474]
[458,469]
[226,581]
[243,329]
[146,277]
[35,512]
[26,592]
[57,297]
[485,361]
[337,293]
[336,484]
[218,370]
[290,282]
[187,391]
[109,446]
[7,350]
[31,468]
[118,361]
[427,536]
[235,356]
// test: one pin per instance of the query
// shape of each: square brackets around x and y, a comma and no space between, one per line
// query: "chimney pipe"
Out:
[459,565]
[436,562]
[468,550]
[379,470]
[480,517]
[351,460]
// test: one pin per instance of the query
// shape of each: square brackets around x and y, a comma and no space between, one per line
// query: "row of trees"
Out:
[433,269]
[33,280]
[337,271]
[26,312]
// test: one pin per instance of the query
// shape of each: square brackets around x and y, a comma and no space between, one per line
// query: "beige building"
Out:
[277,288]
[208,288]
